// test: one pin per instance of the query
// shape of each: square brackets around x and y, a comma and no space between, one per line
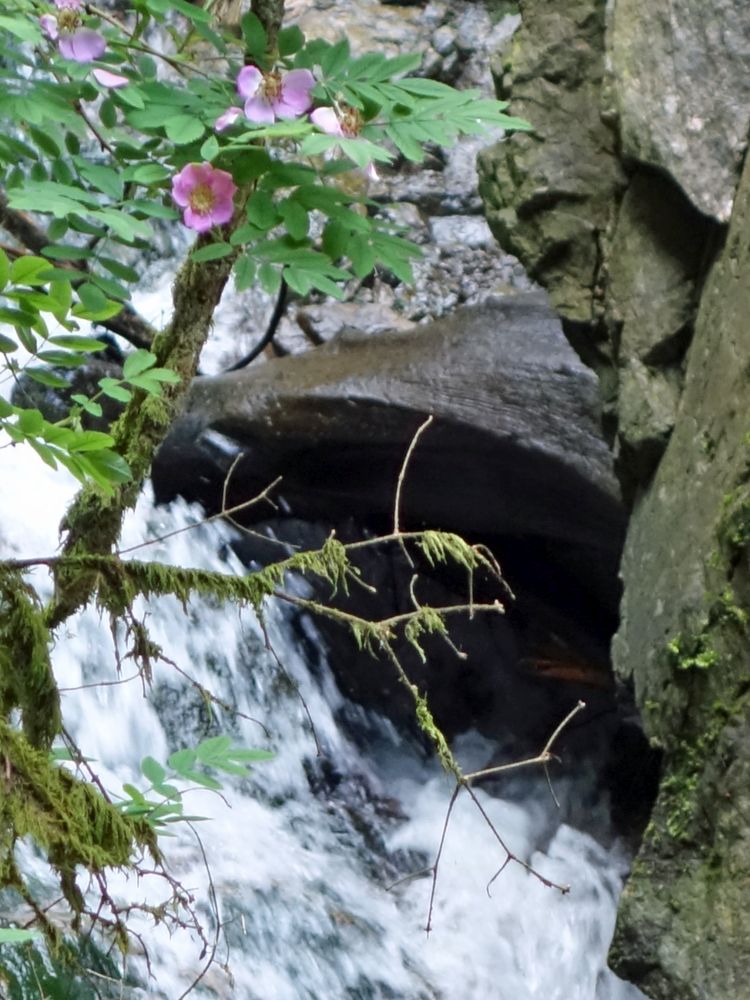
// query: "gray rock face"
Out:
[684,928]
[549,195]
[681,85]
[515,447]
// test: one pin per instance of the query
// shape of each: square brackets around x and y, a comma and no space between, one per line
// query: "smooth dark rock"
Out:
[515,447]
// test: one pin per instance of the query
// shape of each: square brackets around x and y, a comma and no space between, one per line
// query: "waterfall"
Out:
[301,855]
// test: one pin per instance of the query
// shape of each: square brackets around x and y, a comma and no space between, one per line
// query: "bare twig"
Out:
[543,757]
[228,513]
[436,863]
[402,474]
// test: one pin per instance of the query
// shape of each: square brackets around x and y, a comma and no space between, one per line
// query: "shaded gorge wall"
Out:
[631,206]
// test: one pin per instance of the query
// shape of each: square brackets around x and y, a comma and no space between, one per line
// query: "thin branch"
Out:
[510,856]
[436,864]
[400,483]
[267,338]
[543,757]
[238,508]
[292,682]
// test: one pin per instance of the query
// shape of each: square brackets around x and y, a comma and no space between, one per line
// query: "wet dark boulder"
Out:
[514,449]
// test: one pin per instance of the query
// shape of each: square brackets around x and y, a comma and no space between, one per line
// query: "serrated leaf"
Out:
[150,173]
[295,219]
[121,271]
[74,342]
[108,466]
[45,377]
[211,748]
[334,60]
[182,761]
[210,148]
[87,405]
[92,298]
[290,40]
[90,441]
[182,129]
[261,211]
[213,251]
[138,362]
[244,273]
[65,252]
[152,770]
[254,34]
[112,388]
[108,113]
[269,278]
[26,270]
[105,179]
[31,421]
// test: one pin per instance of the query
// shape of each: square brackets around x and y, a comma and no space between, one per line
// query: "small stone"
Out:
[444,39]
[463,230]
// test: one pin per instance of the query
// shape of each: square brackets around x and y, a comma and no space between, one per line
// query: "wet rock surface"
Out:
[515,447]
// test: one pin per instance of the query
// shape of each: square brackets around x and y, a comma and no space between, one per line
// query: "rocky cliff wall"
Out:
[628,205]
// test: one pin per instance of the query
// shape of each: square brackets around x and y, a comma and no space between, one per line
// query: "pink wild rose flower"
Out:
[347,124]
[75,42]
[269,96]
[206,194]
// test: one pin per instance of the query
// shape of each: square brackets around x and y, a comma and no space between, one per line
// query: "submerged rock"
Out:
[515,447]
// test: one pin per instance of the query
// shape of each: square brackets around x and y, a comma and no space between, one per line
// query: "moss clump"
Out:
[68,818]
[26,680]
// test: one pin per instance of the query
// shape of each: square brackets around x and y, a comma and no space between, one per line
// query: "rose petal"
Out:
[229,117]
[222,185]
[184,182]
[327,121]
[222,212]
[248,81]
[258,110]
[48,24]
[372,172]
[69,4]
[109,79]
[295,93]
[82,45]
[200,222]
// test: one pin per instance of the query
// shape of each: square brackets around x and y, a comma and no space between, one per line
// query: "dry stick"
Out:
[436,863]
[541,758]
[464,781]
[217,915]
[292,681]
[400,485]
[238,508]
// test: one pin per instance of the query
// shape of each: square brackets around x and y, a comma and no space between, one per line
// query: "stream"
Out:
[300,857]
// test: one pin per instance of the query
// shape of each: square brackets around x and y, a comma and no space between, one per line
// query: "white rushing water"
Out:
[301,873]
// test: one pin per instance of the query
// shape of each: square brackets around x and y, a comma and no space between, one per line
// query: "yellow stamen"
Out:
[351,122]
[270,87]
[201,199]
[68,19]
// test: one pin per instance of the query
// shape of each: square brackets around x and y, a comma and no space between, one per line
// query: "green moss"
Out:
[26,679]
[734,524]
[692,652]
